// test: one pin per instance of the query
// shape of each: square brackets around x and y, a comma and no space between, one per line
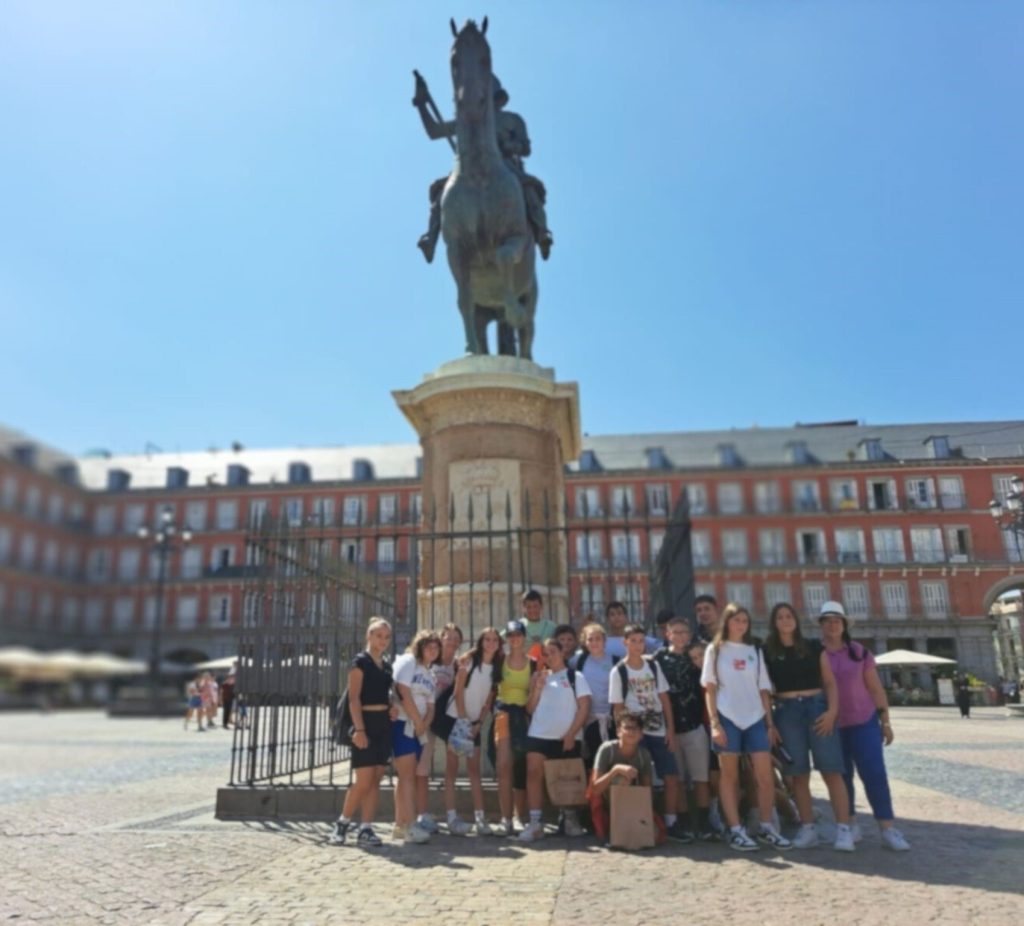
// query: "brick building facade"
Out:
[891,520]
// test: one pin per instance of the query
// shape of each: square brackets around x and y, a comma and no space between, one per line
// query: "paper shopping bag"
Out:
[567,782]
[632,817]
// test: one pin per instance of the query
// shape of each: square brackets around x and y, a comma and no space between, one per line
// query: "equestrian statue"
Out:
[489,210]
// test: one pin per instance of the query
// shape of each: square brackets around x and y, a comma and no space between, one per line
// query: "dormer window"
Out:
[798,453]
[728,457]
[299,473]
[938,447]
[177,477]
[362,470]
[656,458]
[589,462]
[871,449]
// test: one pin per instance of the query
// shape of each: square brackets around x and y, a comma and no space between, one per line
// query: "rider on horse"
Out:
[514,144]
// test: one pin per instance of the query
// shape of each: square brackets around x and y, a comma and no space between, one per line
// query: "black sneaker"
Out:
[677,832]
[367,838]
[707,835]
[338,834]
[740,841]
[769,837]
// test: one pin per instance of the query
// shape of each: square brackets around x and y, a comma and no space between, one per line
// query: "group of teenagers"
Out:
[729,725]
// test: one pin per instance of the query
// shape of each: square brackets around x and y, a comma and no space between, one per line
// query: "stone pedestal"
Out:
[496,434]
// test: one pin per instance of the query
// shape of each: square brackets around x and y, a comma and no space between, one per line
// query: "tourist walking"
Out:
[863,720]
[963,695]
[806,710]
[369,700]
[414,686]
[739,707]
[194,703]
[227,698]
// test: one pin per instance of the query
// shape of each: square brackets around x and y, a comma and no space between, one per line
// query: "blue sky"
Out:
[765,212]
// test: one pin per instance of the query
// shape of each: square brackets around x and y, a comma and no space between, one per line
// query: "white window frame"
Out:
[622,502]
[195,514]
[226,514]
[892,496]
[104,520]
[697,497]
[742,593]
[951,492]
[815,594]
[657,500]
[387,508]
[776,592]
[186,612]
[767,496]
[771,543]
[935,598]
[930,549]
[883,553]
[191,566]
[857,599]
[700,546]
[895,601]
[820,558]
[129,562]
[353,510]
[849,542]
[921,492]
[625,549]
[843,494]
[133,517]
[734,547]
[806,495]
[729,497]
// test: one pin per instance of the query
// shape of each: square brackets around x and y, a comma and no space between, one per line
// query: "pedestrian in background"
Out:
[227,698]
[194,703]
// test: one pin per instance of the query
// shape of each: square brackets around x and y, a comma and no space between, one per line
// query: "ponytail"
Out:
[851,651]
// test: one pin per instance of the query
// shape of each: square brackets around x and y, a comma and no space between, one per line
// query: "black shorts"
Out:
[378,731]
[551,749]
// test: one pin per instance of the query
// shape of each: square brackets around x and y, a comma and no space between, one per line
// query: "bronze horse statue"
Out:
[484,219]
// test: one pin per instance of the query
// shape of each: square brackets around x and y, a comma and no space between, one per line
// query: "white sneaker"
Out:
[427,822]
[893,839]
[855,829]
[844,839]
[416,835]
[532,833]
[506,828]
[459,827]
[573,827]
[806,837]
[483,828]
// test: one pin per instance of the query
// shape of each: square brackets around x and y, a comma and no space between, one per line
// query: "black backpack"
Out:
[624,674]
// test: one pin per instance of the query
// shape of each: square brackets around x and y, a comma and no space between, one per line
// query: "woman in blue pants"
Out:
[863,719]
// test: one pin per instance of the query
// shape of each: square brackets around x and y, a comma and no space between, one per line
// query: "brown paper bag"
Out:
[632,817]
[567,782]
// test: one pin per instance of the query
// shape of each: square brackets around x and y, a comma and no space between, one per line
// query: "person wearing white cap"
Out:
[863,719]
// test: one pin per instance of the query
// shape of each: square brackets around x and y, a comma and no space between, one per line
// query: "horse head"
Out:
[471,70]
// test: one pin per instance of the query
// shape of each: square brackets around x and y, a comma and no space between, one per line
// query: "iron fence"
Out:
[310,590]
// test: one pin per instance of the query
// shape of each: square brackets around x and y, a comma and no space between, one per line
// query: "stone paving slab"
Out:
[118,828]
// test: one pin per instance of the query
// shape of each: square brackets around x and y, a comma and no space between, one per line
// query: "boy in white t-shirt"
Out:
[645,692]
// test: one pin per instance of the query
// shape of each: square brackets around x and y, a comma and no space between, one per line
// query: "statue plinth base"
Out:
[496,434]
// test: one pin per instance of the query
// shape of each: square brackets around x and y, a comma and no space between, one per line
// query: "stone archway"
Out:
[1001,587]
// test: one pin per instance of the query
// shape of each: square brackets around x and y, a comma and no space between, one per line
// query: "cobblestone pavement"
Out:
[111,821]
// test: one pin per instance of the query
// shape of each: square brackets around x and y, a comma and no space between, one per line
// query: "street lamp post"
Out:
[1009,513]
[163,540]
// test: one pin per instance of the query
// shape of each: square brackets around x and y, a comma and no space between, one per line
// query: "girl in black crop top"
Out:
[369,699]
[806,708]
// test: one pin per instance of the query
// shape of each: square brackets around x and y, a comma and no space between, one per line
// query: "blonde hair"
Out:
[588,629]
[375,624]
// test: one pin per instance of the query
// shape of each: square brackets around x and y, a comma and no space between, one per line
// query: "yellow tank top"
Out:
[515,685]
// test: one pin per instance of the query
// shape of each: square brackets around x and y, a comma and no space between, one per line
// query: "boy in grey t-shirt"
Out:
[622,761]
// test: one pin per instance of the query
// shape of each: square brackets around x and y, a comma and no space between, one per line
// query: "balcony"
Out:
[806,505]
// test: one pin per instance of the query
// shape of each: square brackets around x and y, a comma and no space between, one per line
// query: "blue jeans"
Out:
[862,746]
[794,718]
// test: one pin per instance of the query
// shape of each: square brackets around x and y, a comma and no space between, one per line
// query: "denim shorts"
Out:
[753,739]
[794,718]
[402,745]
[662,757]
